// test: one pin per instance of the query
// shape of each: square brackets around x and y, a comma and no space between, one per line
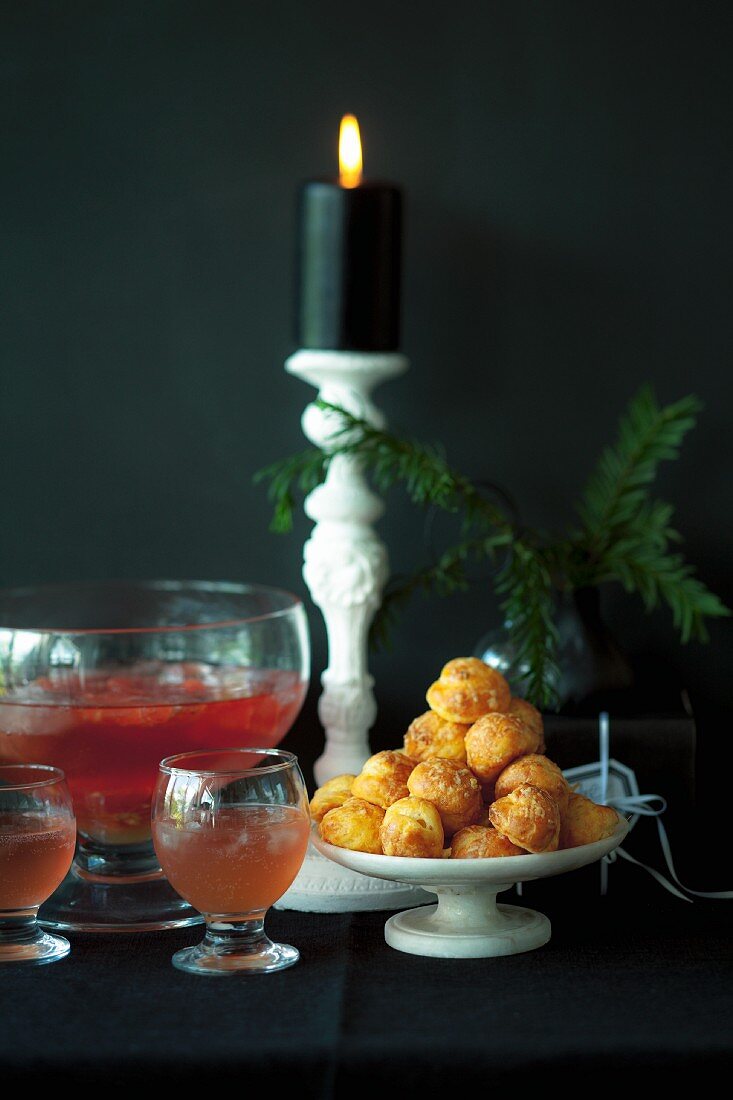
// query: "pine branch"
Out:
[301,472]
[643,564]
[445,577]
[421,469]
[624,536]
[528,608]
[618,489]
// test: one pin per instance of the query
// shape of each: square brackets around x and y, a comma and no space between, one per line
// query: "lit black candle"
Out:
[349,243]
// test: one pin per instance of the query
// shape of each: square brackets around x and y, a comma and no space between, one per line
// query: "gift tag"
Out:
[605,782]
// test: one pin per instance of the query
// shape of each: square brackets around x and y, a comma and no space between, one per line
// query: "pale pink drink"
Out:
[37,840]
[239,860]
[35,856]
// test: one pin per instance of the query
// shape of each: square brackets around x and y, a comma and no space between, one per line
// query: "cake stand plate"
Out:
[467,922]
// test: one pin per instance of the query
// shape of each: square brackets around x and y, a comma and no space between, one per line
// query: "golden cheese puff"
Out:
[383,778]
[527,713]
[452,788]
[354,824]
[493,741]
[482,842]
[529,817]
[412,827]
[430,735]
[585,821]
[538,771]
[330,794]
[467,688]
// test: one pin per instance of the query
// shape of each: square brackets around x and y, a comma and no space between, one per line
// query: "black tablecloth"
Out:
[634,987]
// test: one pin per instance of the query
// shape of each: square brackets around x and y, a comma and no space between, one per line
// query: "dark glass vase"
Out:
[594,672]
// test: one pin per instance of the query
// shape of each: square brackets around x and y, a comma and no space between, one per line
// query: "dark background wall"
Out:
[567,173]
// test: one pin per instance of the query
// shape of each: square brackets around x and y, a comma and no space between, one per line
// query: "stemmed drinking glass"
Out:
[37,839]
[230,830]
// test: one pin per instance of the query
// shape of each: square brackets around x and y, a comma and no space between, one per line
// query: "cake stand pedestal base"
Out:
[503,930]
[323,886]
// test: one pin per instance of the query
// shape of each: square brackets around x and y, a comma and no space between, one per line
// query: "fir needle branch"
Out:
[528,606]
[618,488]
[301,472]
[441,578]
[421,469]
[624,536]
[641,559]
[658,576]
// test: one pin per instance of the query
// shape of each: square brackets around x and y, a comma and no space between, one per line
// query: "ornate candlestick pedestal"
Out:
[345,568]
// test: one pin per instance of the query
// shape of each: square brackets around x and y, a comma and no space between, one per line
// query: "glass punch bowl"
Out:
[105,679]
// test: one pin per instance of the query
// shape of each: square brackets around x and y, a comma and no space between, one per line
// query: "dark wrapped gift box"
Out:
[661,750]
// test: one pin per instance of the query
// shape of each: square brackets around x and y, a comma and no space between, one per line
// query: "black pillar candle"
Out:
[348,263]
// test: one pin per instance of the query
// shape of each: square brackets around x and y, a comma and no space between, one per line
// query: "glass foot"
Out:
[233,951]
[140,904]
[43,949]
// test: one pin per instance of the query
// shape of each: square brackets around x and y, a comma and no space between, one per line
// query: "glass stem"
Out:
[19,928]
[109,861]
[235,936]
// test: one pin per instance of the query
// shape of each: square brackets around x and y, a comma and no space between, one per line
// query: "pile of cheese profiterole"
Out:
[470,781]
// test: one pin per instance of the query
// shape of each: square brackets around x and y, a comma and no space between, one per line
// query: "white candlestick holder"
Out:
[345,566]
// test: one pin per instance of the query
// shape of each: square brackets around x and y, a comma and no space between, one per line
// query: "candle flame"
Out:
[350,161]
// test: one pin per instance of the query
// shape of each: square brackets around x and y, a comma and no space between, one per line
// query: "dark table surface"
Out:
[635,986]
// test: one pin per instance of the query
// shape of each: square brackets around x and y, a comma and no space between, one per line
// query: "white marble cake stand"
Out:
[467,923]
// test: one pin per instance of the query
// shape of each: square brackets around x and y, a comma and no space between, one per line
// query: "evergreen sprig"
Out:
[299,473]
[421,469]
[528,605]
[660,577]
[618,489]
[445,577]
[624,534]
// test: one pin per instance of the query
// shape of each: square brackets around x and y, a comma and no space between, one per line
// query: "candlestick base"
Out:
[325,887]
